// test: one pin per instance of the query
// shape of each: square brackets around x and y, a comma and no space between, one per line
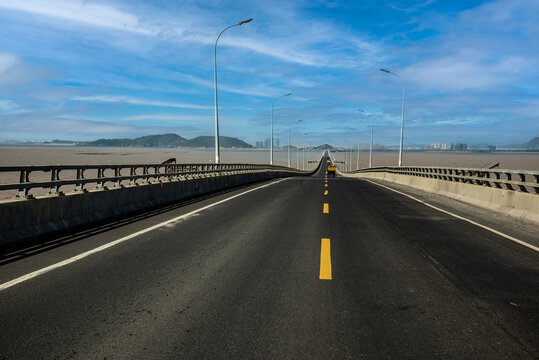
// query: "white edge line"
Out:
[121,240]
[461,218]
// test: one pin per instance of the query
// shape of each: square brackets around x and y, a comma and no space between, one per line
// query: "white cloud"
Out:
[8,107]
[82,12]
[16,73]
[407,8]
[280,44]
[168,117]
[467,70]
[138,101]
[258,90]
[7,61]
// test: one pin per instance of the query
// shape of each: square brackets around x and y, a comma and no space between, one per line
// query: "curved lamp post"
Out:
[217,155]
[305,141]
[402,122]
[370,147]
[271,142]
[297,156]
[288,147]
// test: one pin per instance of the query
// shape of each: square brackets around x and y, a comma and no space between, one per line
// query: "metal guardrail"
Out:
[515,180]
[122,175]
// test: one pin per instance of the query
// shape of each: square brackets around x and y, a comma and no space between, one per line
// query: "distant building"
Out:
[277,142]
[267,143]
[460,147]
[259,144]
[441,146]
[491,148]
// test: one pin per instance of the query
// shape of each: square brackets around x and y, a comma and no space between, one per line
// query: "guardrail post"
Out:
[100,174]
[487,182]
[80,176]
[55,176]
[168,170]
[507,185]
[23,179]
[522,179]
[498,177]
[145,179]
[477,174]
[536,187]
[117,174]
[156,174]
[132,172]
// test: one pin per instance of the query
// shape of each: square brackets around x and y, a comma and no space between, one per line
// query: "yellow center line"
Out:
[326,208]
[325,192]
[325,260]
[326,185]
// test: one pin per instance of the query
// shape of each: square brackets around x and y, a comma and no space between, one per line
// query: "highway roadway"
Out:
[298,268]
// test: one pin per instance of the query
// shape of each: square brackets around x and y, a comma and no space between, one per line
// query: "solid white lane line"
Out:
[509,237]
[121,240]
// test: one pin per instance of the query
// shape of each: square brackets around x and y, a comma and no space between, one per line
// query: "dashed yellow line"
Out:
[325,192]
[325,260]
[325,185]
[326,208]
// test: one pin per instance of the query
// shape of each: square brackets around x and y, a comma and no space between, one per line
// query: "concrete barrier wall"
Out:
[21,221]
[514,203]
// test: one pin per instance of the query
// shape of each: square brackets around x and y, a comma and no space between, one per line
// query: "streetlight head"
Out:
[245,21]
[360,110]
[384,70]
[287,94]
[300,120]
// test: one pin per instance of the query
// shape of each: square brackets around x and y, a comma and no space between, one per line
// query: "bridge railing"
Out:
[87,177]
[514,180]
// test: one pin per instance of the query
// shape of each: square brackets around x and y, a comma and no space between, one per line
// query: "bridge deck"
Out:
[238,276]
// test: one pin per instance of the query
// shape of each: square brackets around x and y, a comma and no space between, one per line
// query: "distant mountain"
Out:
[224,141]
[65,142]
[324,147]
[533,144]
[168,140]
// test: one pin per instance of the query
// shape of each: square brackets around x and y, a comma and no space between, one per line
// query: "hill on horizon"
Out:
[533,144]
[169,140]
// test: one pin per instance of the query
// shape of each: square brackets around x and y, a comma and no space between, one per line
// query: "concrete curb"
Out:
[518,204]
[22,221]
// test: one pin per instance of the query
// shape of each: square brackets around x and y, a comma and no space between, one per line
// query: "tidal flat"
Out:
[73,155]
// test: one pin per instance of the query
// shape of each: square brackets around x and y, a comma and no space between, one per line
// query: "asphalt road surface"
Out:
[272,273]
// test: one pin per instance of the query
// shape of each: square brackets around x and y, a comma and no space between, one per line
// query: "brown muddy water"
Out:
[69,155]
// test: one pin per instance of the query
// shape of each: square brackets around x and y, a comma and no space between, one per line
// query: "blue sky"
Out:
[83,70]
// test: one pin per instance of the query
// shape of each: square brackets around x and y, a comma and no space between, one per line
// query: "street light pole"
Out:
[303,166]
[271,142]
[349,158]
[288,147]
[370,147]
[297,156]
[217,155]
[357,166]
[402,122]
